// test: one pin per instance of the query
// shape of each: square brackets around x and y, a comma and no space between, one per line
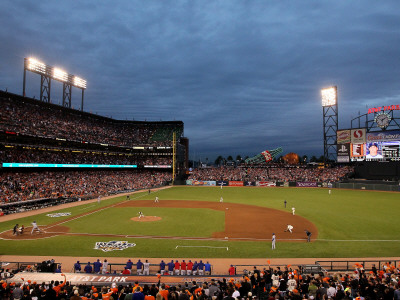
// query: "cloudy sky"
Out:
[243,76]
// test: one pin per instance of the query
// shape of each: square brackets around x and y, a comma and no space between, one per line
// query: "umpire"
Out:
[308,235]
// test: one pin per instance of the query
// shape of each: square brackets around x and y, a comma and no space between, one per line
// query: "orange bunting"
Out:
[268,261]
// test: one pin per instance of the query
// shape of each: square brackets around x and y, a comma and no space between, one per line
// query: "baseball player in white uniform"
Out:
[289,228]
[156,200]
[221,200]
[146,268]
[273,241]
[141,215]
[293,210]
[35,227]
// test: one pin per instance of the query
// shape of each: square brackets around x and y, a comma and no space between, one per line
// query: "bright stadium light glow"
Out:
[79,82]
[329,96]
[36,66]
[60,75]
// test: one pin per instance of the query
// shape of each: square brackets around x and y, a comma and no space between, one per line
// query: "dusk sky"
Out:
[243,76]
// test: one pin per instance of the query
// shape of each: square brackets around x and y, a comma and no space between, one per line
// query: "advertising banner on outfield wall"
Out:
[343,136]
[343,153]
[306,184]
[265,183]
[235,183]
[222,183]
[358,136]
[249,183]
[200,182]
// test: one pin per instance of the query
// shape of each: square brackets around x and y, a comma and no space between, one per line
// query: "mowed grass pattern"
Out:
[351,223]
[174,222]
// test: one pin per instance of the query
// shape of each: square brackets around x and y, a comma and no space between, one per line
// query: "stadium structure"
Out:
[53,154]
[371,143]
[38,137]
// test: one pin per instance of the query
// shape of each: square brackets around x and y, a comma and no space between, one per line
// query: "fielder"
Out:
[35,227]
[273,241]
[293,210]
[141,215]
[98,199]
[221,200]
[156,200]
[330,192]
[289,228]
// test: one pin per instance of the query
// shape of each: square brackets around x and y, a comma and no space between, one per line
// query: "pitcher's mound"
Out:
[146,219]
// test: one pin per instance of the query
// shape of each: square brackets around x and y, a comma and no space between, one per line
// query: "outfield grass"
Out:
[350,224]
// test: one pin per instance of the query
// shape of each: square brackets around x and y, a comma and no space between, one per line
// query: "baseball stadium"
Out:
[94,207]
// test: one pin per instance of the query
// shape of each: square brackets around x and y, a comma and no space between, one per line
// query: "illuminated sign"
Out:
[34,165]
[383,108]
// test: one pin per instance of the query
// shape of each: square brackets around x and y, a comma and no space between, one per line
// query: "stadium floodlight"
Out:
[59,74]
[329,96]
[36,66]
[48,73]
[79,82]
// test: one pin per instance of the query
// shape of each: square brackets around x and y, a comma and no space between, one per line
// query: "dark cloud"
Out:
[244,76]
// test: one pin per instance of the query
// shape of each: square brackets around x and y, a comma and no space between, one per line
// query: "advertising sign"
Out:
[306,184]
[357,150]
[222,183]
[235,183]
[343,153]
[358,136]
[343,136]
[265,183]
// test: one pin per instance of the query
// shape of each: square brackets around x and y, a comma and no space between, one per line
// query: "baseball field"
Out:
[192,222]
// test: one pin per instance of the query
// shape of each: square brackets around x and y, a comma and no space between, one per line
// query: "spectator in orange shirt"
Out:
[57,286]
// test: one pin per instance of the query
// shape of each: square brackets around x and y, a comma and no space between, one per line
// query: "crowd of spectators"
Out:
[269,283]
[283,173]
[35,185]
[64,156]
[54,122]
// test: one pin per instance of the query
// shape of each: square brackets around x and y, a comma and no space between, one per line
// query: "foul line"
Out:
[93,212]
[227,248]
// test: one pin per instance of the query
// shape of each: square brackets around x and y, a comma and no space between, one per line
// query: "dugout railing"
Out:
[350,265]
[117,269]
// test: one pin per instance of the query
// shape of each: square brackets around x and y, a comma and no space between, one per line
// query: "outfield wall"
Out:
[372,185]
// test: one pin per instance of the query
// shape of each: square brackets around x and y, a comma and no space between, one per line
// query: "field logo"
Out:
[57,215]
[113,245]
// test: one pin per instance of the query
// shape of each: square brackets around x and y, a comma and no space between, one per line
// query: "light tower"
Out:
[47,73]
[330,120]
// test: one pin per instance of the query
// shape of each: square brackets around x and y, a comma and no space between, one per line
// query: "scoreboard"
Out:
[359,145]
